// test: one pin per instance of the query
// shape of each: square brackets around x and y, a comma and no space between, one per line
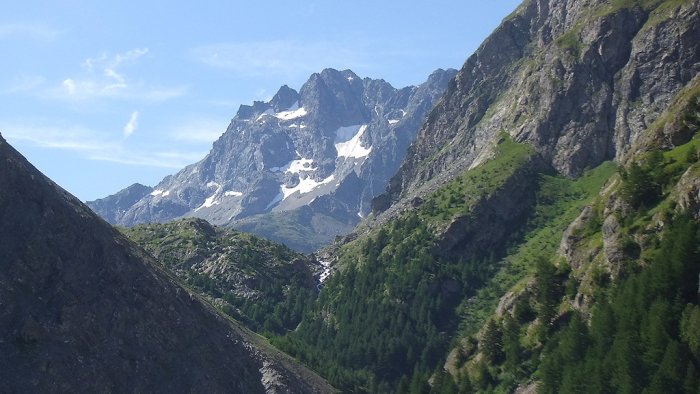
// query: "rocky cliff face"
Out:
[83,309]
[331,146]
[580,80]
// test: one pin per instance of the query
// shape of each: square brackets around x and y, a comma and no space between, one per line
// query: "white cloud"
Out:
[132,124]
[110,64]
[103,78]
[69,85]
[24,31]
[93,145]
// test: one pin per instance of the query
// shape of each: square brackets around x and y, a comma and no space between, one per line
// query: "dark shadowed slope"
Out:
[84,310]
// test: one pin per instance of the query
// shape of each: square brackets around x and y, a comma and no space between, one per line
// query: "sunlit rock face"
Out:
[329,149]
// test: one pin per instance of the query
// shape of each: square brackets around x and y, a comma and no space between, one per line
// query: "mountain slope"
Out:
[610,305]
[264,285]
[329,147]
[84,309]
[523,142]
[113,207]
[579,80]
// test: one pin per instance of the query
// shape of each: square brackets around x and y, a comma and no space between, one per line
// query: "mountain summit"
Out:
[311,159]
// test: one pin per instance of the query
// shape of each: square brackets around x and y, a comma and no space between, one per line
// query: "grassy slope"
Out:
[559,202]
[263,284]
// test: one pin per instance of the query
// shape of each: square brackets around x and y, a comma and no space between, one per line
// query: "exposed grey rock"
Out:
[618,247]
[567,246]
[527,388]
[113,207]
[687,192]
[83,309]
[580,80]
[331,147]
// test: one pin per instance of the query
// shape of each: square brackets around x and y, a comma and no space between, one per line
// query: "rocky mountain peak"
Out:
[334,99]
[294,151]
[284,99]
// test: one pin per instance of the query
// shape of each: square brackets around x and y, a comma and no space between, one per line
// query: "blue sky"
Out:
[102,94]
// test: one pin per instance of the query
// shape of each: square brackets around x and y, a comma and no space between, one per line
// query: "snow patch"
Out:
[292,113]
[266,113]
[305,185]
[231,193]
[211,201]
[353,147]
[279,197]
[295,166]
[161,193]
[344,134]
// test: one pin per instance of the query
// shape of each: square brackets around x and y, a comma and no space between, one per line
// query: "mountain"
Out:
[580,81]
[84,309]
[113,207]
[542,233]
[301,168]
[264,285]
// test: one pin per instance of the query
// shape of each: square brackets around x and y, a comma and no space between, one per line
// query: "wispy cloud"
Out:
[132,124]
[93,145]
[103,77]
[34,31]
[280,57]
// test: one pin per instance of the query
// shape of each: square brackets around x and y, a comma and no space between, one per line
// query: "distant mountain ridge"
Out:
[329,148]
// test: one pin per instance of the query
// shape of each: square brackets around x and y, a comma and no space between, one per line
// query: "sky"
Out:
[99,94]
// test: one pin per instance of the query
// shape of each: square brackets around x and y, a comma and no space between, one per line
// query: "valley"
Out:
[529,223]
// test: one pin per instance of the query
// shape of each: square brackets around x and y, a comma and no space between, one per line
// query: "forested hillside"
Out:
[262,284]
[542,233]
